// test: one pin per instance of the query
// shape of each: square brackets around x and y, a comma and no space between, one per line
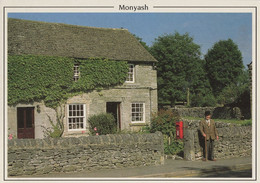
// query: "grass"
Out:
[247,122]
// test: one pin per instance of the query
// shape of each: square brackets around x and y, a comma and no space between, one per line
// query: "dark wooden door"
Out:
[25,122]
[114,108]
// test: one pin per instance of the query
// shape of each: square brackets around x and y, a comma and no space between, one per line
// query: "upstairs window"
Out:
[76,72]
[130,77]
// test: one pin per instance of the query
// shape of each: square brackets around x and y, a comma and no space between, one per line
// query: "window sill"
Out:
[138,124]
[77,131]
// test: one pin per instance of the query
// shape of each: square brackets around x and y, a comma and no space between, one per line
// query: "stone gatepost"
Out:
[189,150]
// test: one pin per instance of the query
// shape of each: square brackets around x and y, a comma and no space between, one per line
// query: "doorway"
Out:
[25,123]
[114,109]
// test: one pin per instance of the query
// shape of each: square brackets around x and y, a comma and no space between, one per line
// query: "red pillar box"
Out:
[179,130]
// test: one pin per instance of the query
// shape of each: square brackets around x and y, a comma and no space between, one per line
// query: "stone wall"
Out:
[42,156]
[217,112]
[234,141]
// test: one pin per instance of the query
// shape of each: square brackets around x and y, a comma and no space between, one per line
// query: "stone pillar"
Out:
[189,150]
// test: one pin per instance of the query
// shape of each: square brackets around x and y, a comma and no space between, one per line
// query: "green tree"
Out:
[231,93]
[180,68]
[223,65]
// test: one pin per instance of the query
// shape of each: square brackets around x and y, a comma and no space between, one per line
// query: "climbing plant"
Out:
[99,73]
[36,78]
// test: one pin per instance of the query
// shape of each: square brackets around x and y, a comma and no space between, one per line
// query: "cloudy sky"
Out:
[205,28]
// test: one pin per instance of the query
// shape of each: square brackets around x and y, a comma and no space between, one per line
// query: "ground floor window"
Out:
[76,117]
[138,112]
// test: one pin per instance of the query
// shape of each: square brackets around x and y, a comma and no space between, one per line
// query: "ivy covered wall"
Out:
[35,78]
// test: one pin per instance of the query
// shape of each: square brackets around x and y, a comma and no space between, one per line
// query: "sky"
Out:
[205,28]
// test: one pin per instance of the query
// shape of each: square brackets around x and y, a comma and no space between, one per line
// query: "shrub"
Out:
[164,121]
[56,130]
[203,101]
[52,132]
[102,124]
[174,147]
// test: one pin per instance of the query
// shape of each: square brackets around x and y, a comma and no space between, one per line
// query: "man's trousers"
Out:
[210,149]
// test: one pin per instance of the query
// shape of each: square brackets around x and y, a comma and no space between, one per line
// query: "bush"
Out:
[174,147]
[203,101]
[102,124]
[164,121]
[52,132]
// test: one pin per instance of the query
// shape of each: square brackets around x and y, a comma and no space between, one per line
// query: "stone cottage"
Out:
[132,103]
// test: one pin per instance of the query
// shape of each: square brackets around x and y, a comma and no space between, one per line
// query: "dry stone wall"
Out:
[234,141]
[42,156]
[217,112]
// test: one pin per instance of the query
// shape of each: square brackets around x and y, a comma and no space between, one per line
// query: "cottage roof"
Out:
[55,39]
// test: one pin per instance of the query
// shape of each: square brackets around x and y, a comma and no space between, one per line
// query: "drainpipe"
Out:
[150,95]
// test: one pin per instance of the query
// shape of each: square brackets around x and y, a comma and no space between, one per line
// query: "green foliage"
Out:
[98,73]
[203,101]
[102,124]
[57,129]
[145,129]
[235,121]
[53,132]
[223,65]
[233,92]
[164,121]
[247,123]
[36,78]
[179,69]
[172,147]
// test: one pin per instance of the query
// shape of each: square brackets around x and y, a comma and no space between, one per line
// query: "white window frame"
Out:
[130,66]
[143,121]
[76,72]
[70,117]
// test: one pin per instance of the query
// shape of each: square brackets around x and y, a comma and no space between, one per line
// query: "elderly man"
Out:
[209,131]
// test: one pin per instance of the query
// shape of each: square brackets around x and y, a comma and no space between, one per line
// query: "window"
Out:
[76,72]
[138,112]
[76,116]
[130,76]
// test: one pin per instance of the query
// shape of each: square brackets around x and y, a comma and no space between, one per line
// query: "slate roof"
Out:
[55,39]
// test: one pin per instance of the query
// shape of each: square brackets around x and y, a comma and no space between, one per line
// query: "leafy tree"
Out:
[231,93]
[179,69]
[223,65]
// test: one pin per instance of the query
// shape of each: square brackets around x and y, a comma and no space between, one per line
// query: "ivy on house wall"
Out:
[99,73]
[35,78]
